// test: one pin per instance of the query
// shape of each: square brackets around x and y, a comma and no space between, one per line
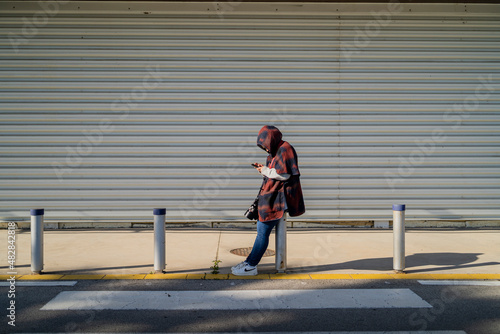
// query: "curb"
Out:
[390,276]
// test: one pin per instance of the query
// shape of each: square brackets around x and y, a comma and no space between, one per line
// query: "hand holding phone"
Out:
[258,167]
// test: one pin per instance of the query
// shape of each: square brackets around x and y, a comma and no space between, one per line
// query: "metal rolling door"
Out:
[108,111]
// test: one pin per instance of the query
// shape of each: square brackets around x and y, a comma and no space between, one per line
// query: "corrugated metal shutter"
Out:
[111,109]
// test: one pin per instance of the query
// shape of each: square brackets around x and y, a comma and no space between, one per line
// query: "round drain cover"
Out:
[246,252]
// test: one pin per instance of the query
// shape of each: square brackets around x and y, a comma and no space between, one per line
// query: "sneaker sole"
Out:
[245,274]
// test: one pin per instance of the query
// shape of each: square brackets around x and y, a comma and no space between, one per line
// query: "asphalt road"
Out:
[461,308]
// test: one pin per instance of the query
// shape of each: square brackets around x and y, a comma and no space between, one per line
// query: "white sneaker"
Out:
[244,270]
[239,265]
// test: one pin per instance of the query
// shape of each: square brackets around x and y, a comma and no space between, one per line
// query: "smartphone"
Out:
[255,165]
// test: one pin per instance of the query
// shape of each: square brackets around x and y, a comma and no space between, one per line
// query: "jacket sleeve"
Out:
[272,174]
[287,161]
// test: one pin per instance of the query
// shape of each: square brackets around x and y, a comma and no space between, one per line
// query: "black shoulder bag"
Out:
[253,211]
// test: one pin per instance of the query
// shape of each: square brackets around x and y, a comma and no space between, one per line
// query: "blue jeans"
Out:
[261,241]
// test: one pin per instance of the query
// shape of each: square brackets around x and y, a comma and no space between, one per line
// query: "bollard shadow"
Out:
[99,270]
[422,262]
[17,266]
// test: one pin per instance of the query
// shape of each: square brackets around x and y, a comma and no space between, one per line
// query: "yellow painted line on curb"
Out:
[259,276]
[82,277]
[289,276]
[216,276]
[124,276]
[485,276]
[6,277]
[450,276]
[40,277]
[165,276]
[371,276]
[195,276]
[411,276]
[330,276]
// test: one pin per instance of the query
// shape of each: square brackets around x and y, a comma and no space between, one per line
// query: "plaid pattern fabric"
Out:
[274,193]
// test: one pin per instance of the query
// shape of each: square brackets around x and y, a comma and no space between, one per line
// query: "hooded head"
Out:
[269,139]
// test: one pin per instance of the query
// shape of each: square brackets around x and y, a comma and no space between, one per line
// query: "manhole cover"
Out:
[246,252]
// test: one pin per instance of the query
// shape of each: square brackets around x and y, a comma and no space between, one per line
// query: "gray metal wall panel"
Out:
[110,109]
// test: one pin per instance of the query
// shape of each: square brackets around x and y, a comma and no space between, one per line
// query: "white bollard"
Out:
[159,234]
[37,240]
[281,245]
[398,226]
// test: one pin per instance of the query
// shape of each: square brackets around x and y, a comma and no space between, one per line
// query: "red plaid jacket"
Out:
[274,193]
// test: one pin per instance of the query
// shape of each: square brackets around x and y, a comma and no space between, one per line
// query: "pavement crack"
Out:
[218,247]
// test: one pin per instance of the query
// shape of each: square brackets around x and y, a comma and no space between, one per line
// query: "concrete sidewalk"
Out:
[340,252]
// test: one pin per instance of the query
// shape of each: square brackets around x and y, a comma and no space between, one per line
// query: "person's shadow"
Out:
[428,262]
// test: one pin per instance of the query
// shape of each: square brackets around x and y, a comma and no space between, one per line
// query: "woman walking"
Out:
[280,192]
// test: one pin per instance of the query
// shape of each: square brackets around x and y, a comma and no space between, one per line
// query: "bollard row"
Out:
[37,227]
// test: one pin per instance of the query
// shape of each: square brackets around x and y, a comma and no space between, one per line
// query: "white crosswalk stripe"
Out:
[40,283]
[236,299]
[459,282]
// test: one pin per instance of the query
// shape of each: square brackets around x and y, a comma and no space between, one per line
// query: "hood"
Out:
[269,138]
